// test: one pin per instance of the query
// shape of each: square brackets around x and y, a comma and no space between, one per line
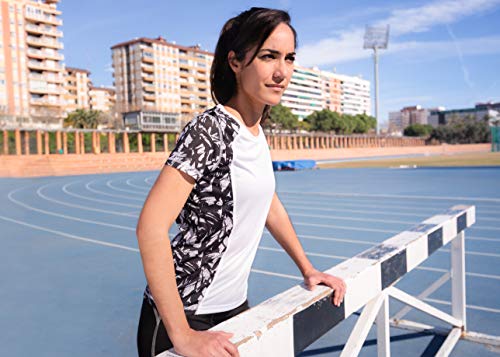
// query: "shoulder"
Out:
[207,121]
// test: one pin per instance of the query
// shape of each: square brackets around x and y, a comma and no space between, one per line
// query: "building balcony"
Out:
[48,77]
[148,77]
[147,68]
[49,19]
[148,88]
[51,31]
[148,59]
[42,66]
[46,102]
[41,54]
[44,42]
[149,96]
[45,89]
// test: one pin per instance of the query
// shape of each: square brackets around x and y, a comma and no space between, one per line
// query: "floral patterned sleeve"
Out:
[198,149]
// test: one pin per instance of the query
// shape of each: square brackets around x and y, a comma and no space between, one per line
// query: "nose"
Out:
[280,71]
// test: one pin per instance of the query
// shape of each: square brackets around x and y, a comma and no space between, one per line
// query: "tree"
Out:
[281,118]
[83,119]
[418,130]
[322,120]
[462,130]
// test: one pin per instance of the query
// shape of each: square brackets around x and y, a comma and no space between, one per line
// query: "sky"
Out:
[440,53]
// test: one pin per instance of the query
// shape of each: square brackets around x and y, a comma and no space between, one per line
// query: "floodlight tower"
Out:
[376,37]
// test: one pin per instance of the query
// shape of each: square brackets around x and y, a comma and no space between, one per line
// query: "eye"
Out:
[290,58]
[268,56]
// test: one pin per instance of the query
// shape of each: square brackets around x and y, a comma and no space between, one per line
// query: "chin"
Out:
[272,101]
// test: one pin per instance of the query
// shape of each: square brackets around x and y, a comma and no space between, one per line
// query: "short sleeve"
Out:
[198,148]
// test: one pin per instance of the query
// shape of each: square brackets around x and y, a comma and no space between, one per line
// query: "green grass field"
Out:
[474,159]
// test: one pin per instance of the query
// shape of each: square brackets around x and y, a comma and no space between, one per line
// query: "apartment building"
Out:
[311,89]
[162,78]
[102,98]
[332,91]
[304,94]
[355,95]
[76,86]
[31,69]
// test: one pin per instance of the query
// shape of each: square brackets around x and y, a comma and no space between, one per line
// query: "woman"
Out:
[219,183]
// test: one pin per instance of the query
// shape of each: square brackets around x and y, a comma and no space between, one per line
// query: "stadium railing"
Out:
[287,323]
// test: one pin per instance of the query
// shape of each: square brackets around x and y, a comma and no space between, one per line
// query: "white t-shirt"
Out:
[221,224]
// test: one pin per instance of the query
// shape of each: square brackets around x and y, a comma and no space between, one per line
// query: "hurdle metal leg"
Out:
[458,279]
[383,334]
[363,325]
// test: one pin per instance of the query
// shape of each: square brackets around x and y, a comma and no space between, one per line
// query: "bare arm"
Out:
[163,204]
[280,226]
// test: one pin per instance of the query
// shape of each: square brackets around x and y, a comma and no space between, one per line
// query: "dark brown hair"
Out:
[240,34]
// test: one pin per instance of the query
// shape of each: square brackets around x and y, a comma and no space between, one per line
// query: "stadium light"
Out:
[376,37]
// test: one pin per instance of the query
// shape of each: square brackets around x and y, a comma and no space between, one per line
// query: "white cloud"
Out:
[348,45]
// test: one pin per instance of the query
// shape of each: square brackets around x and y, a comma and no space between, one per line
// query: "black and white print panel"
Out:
[203,152]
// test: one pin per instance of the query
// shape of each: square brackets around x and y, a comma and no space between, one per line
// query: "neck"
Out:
[246,111]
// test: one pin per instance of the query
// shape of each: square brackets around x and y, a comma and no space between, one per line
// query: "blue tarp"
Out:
[293,165]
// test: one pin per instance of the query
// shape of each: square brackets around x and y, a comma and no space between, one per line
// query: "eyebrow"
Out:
[274,52]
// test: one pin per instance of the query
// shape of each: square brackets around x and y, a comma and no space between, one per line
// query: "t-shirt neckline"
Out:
[225,111]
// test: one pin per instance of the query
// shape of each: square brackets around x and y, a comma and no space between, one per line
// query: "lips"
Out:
[276,87]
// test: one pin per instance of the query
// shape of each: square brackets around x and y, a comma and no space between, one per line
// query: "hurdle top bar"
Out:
[287,323]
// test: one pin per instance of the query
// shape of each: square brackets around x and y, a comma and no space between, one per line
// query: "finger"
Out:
[337,297]
[222,352]
[231,348]
[226,335]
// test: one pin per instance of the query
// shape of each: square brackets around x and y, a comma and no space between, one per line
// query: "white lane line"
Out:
[344,227]
[120,246]
[488,228]
[87,186]
[378,206]
[70,236]
[472,307]
[86,208]
[129,182]
[309,208]
[114,188]
[363,219]
[476,275]
[486,276]
[482,254]
[281,275]
[123,247]
[486,239]
[424,294]
[354,241]
[280,250]
[372,212]
[416,197]
[72,218]
[342,240]
[65,190]
[438,270]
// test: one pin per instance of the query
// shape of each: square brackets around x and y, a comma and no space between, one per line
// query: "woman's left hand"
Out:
[315,277]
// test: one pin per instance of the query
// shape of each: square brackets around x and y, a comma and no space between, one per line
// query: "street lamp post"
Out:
[376,37]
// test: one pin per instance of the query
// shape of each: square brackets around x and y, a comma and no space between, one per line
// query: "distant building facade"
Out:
[311,90]
[31,68]
[479,112]
[399,120]
[76,84]
[102,98]
[155,76]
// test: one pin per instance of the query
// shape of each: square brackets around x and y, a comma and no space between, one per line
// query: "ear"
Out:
[233,62]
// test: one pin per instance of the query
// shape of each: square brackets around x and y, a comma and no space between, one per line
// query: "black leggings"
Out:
[152,338]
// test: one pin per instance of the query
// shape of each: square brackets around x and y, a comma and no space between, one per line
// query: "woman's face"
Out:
[263,81]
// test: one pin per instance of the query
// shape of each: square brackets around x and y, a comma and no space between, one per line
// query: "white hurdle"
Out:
[286,324]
